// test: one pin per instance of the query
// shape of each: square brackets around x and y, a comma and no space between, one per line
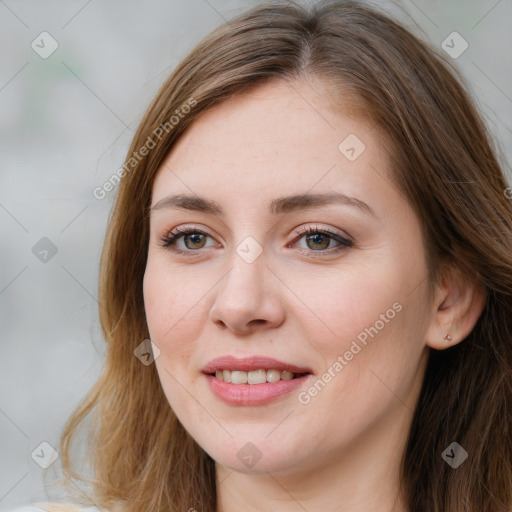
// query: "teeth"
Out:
[239,377]
[257,377]
[273,375]
[253,377]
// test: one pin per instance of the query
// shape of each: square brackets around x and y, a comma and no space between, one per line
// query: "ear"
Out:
[457,305]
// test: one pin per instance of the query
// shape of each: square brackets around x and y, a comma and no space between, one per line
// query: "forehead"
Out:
[277,137]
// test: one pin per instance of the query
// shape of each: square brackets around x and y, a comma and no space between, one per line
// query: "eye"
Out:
[194,238]
[319,239]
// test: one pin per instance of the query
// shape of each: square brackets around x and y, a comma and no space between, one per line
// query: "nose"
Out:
[247,299]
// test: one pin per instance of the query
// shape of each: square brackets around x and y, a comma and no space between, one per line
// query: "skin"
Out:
[341,450]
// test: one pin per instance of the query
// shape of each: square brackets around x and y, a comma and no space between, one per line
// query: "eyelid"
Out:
[331,231]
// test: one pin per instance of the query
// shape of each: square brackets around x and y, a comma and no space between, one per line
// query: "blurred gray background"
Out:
[66,120]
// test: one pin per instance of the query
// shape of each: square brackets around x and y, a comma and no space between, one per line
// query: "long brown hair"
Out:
[444,162]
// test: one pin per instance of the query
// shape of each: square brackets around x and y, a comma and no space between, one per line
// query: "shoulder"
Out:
[54,507]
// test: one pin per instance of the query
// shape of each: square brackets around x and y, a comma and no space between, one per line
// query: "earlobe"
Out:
[456,309]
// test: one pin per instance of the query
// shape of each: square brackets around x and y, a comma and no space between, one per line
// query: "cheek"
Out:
[171,324]
[371,336]
[343,303]
[169,307]
[157,300]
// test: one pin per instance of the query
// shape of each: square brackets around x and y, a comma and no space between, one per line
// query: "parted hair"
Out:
[446,164]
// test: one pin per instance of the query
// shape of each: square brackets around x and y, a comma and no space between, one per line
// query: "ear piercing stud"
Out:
[448,338]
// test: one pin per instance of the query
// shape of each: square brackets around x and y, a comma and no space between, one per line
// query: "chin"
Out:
[254,457]
[268,464]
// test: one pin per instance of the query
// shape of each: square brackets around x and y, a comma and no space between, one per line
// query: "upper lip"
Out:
[248,364]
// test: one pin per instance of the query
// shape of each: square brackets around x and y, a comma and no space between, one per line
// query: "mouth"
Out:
[256,377]
[253,370]
[253,381]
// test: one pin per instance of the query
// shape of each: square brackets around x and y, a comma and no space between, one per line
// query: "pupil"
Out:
[316,237]
[195,237]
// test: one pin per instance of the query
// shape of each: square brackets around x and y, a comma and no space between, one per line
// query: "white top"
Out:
[53,507]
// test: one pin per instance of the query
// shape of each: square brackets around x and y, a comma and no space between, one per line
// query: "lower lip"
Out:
[253,394]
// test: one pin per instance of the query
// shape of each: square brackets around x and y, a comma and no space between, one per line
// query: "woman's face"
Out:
[349,306]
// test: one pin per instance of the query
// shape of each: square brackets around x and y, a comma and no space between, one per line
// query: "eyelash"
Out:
[169,240]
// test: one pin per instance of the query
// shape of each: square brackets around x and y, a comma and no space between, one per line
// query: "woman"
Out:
[312,229]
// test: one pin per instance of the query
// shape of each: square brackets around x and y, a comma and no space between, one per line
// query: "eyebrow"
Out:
[278,206]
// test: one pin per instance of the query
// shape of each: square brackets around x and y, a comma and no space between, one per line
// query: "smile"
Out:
[255,377]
